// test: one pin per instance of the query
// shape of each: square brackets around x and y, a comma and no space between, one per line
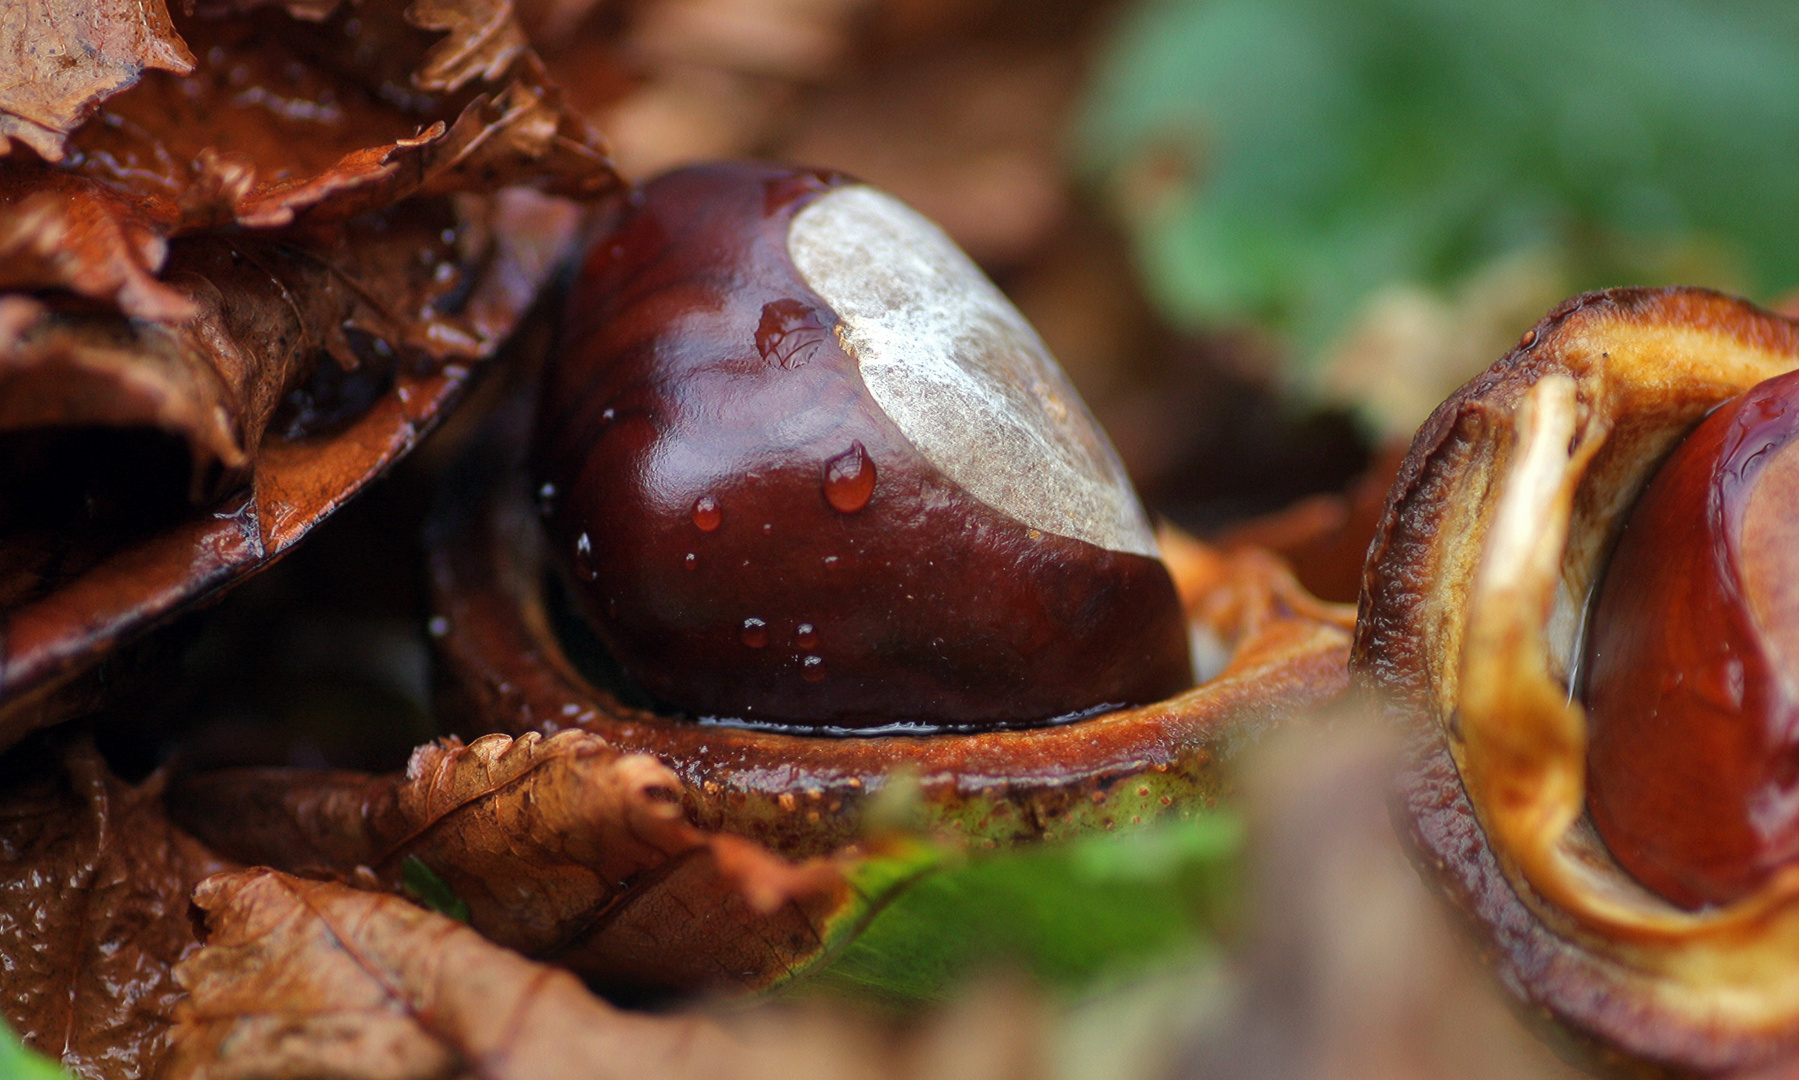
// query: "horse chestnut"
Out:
[805,467]
[1693,661]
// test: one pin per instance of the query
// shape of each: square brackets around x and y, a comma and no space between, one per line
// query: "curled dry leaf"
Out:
[63,59]
[61,231]
[481,40]
[287,263]
[264,310]
[94,885]
[306,978]
[563,849]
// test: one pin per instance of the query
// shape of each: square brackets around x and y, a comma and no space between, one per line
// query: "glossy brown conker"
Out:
[805,468]
[1692,685]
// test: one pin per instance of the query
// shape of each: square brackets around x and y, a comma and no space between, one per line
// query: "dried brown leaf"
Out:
[524,127]
[206,245]
[61,60]
[481,40]
[562,848]
[94,886]
[263,312]
[74,585]
[60,231]
[298,133]
[311,979]
[284,123]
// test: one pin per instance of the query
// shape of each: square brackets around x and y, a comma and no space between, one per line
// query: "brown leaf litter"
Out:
[561,847]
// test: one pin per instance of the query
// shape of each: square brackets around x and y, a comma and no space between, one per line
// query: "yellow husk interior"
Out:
[1520,741]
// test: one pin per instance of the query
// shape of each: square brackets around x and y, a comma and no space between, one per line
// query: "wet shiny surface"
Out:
[717,446]
[1694,761]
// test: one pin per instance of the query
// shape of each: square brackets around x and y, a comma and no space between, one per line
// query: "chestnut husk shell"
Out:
[502,667]
[1468,635]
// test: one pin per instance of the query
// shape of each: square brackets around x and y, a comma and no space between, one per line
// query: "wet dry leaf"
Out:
[263,312]
[305,979]
[94,885]
[286,122]
[59,231]
[18,1063]
[561,848]
[287,263]
[62,59]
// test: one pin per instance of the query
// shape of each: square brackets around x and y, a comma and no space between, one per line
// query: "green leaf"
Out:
[423,885]
[1279,160]
[1073,913]
[19,1063]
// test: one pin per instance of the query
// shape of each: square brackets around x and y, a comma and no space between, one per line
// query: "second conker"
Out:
[805,467]
[1693,661]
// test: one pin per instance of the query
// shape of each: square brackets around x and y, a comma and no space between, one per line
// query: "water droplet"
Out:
[706,514]
[754,633]
[439,626]
[768,527]
[791,332]
[805,635]
[607,416]
[830,560]
[849,480]
[1529,339]
[546,498]
[812,669]
[690,562]
[584,556]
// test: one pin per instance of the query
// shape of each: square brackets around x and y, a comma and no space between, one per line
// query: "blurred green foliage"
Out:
[1279,160]
[18,1063]
[1072,914]
[433,892]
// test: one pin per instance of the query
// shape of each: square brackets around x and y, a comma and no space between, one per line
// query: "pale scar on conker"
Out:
[1692,690]
[804,466]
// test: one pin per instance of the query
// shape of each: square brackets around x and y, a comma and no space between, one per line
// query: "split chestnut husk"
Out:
[505,666]
[1471,633]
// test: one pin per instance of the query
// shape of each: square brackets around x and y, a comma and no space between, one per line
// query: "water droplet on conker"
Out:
[584,556]
[849,480]
[706,514]
[754,633]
